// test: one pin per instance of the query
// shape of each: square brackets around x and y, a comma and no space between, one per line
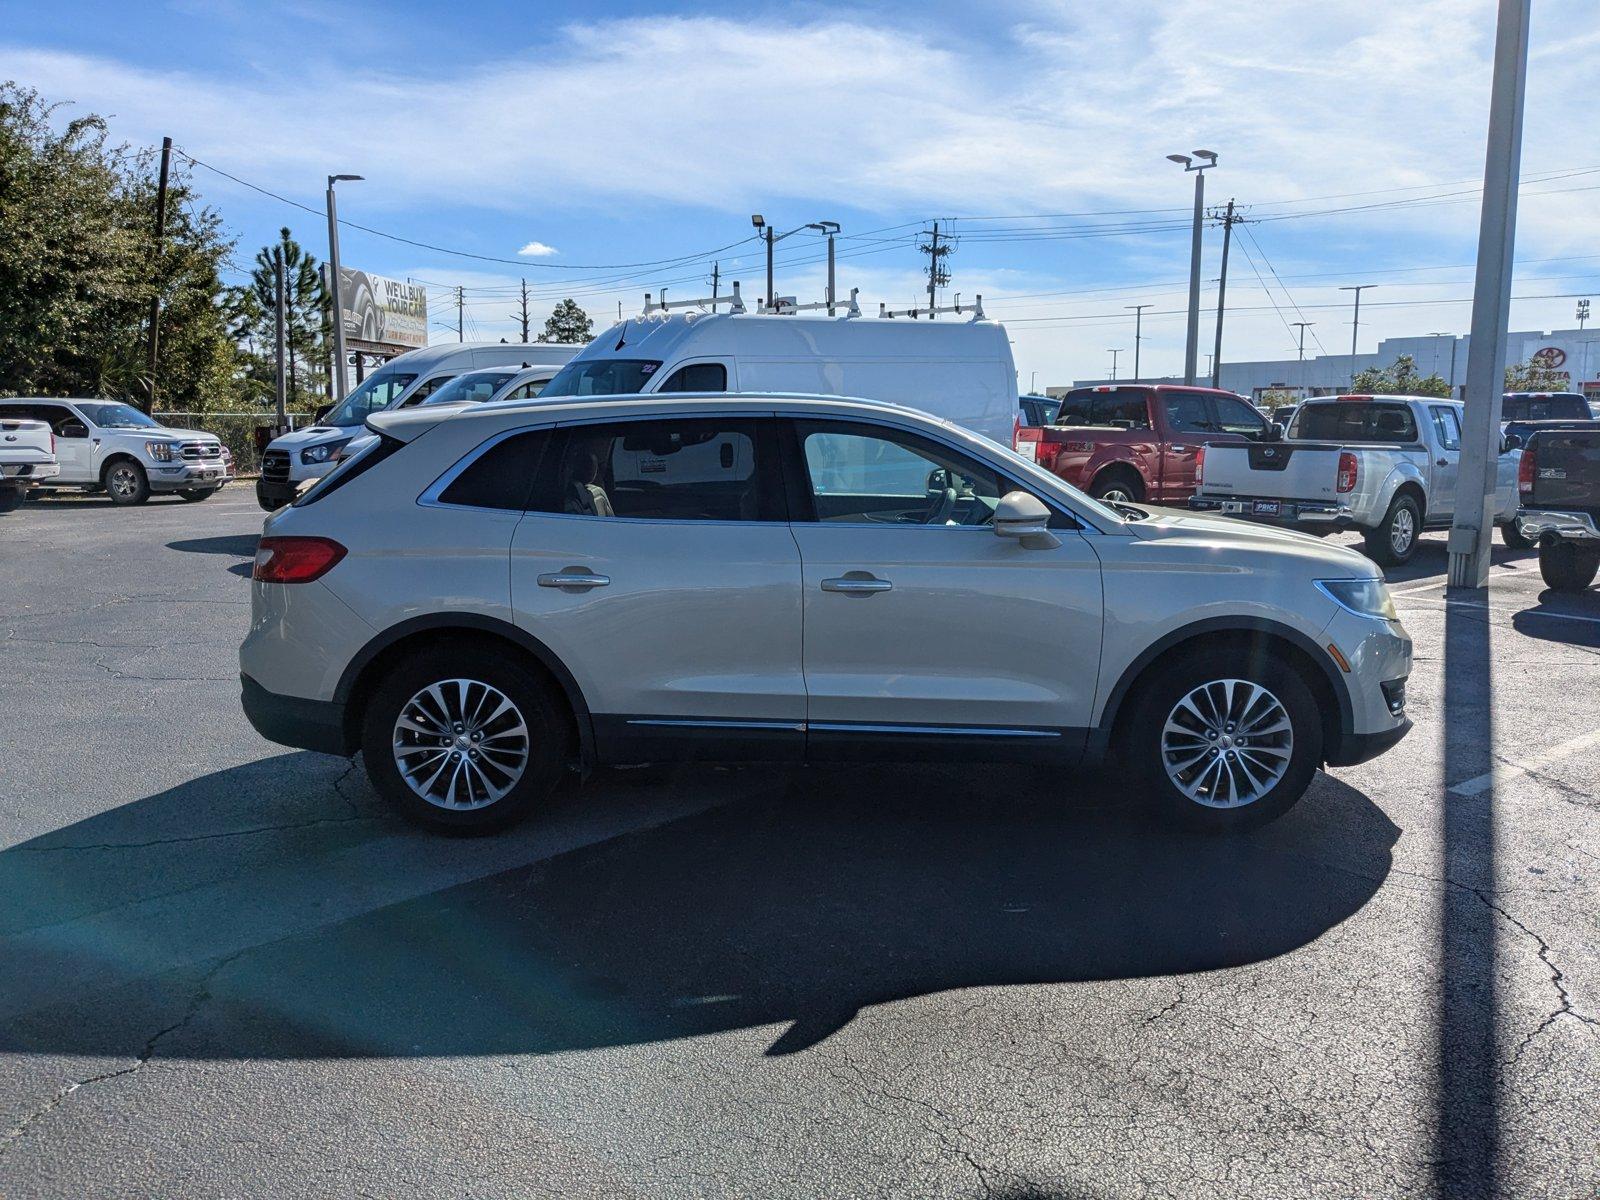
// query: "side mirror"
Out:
[322,411]
[1024,517]
[73,429]
[1274,433]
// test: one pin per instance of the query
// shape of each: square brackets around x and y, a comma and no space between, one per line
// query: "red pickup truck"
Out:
[1139,441]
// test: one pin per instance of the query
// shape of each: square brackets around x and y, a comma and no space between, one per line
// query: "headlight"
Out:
[1364,597]
[322,453]
[162,451]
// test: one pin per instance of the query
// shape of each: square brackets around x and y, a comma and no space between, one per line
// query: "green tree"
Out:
[306,310]
[1400,379]
[1530,377]
[568,323]
[1275,398]
[78,266]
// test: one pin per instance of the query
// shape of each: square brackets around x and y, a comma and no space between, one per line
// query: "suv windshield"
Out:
[601,377]
[118,416]
[375,395]
[472,388]
[1354,421]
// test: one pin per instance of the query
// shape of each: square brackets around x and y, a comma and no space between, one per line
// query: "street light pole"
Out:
[1138,334]
[334,297]
[1208,159]
[1491,303]
[1355,325]
[830,228]
[1114,354]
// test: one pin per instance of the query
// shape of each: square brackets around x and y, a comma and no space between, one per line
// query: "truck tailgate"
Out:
[1566,472]
[1283,470]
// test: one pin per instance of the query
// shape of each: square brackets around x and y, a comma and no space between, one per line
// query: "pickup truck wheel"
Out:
[1224,744]
[1566,567]
[11,499]
[195,495]
[1394,541]
[1117,487]
[125,482]
[1511,536]
[464,741]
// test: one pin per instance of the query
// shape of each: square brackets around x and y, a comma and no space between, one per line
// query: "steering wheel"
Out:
[940,512]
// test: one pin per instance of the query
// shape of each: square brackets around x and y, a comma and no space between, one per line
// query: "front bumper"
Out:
[1568,526]
[295,721]
[281,492]
[1271,510]
[183,476]
[1355,748]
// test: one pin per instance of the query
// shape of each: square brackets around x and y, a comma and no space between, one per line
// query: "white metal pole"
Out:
[334,296]
[1191,350]
[1491,303]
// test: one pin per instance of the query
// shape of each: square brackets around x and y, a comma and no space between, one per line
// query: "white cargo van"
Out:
[306,454]
[960,370]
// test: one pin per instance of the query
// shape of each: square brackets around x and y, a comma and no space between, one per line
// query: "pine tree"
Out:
[568,323]
[305,314]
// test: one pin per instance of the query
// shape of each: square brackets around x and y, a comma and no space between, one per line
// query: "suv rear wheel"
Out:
[1225,740]
[1567,567]
[464,739]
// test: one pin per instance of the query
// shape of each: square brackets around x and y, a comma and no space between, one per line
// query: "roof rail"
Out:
[976,309]
[735,302]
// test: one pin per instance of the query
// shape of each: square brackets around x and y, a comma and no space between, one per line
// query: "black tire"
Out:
[12,498]
[1117,484]
[542,711]
[1381,543]
[195,495]
[1145,724]
[1567,567]
[125,482]
[1511,536]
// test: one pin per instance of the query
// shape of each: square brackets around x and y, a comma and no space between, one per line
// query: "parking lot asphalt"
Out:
[227,971]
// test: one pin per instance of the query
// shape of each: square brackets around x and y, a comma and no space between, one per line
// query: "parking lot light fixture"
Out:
[1206,160]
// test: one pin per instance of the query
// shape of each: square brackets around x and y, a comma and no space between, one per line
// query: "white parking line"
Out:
[1515,768]
[1514,612]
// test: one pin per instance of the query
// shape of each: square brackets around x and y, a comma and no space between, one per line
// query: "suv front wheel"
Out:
[464,740]
[1224,744]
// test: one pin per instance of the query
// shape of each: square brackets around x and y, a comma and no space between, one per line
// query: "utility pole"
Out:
[1301,326]
[281,388]
[771,241]
[1191,349]
[1583,314]
[333,274]
[830,228]
[1229,219]
[155,275]
[1491,302]
[716,282]
[523,312]
[1114,354]
[1355,324]
[1138,334]
[461,306]
[938,273]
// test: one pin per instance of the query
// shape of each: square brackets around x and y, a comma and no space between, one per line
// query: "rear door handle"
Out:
[573,579]
[856,587]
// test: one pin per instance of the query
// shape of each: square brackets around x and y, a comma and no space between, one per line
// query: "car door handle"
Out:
[573,579]
[1181,449]
[855,586]
[1442,462]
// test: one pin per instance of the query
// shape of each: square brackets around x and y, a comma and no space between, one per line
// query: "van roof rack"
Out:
[786,304]
[735,302]
[976,309]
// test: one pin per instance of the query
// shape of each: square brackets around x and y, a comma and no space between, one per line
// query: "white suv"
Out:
[479,600]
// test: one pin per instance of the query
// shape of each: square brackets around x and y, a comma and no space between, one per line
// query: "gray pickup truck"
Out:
[1383,465]
[1558,483]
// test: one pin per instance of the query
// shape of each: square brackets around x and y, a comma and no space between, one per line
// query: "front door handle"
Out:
[573,579]
[855,586]
[1442,462]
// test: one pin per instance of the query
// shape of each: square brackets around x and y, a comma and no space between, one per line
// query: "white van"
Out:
[295,458]
[959,370]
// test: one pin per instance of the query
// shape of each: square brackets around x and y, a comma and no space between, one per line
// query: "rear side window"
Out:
[698,377]
[502,476]
[1345,421]
[1125,410]
[674,469]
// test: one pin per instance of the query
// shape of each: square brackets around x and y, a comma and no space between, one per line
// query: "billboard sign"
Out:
[382,316]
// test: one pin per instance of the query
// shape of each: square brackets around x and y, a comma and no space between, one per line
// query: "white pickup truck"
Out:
[1385,465]
[27,457]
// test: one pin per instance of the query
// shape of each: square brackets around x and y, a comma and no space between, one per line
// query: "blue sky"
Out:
[616,133]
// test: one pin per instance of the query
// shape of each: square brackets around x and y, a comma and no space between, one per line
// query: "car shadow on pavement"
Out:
[815,895]
[1567,617]
[239,545]
[1433,559]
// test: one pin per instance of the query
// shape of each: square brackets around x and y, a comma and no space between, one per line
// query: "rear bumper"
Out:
[1271,510]
[31,472]
[1356,748]
[294,720]
[1542,522]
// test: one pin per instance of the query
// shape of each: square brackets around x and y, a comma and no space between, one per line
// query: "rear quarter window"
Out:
[502,476]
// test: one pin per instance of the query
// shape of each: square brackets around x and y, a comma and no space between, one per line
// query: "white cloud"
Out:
[538,250]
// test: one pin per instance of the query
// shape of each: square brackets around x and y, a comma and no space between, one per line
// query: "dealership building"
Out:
[1574,353]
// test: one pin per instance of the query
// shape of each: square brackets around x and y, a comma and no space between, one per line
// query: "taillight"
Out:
[1016,430]
[1526,469]
[1349,469]
[52,443]
[295,559]
[1199,466]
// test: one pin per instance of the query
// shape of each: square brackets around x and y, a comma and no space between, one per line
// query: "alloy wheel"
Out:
[122,482]
[461,744]
[1402,531]
[1227,743]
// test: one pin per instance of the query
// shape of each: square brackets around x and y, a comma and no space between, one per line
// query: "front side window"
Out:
[1235,416]
[698,377]
[374,394]
[861,474]
[1447,426]
[113,415]
[674,469]
[1188,412]
[602,377]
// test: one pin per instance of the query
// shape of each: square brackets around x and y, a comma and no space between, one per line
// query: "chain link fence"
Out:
[237,431]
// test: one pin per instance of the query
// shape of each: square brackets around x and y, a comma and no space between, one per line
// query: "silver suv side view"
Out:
[479,601]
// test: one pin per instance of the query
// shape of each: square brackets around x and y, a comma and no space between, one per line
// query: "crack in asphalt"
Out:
[1558,980]
[203,837]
